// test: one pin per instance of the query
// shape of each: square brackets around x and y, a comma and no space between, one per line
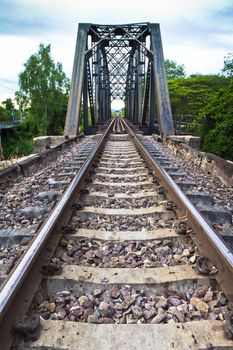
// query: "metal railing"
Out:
[185,124]
[6,124]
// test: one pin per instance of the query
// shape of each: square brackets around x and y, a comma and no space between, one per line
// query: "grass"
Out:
[13,147]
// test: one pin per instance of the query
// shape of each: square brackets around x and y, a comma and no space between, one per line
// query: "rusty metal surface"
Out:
[119,62]
[205,237]
[20,288]
[24,280]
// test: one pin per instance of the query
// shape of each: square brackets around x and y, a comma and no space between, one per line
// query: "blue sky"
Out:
[197,33]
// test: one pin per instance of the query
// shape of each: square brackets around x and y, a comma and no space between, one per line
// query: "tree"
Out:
[43,93]
[228,65]
[174,70]
[218,128]
[9,105]
[190,95]
[4,115]
[7,110]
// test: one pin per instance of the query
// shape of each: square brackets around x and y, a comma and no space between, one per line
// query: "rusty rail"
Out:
[23,282]
[205,237]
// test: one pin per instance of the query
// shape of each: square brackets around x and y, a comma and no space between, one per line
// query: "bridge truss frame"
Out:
[119,62]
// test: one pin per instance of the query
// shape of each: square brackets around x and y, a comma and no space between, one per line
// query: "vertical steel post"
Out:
[146,95]
[139,85]
[132,89]
[90,92]
[152,103]
[126,103]
[97,85]
[85,101]
[135,107]
[161,88]
[75,98]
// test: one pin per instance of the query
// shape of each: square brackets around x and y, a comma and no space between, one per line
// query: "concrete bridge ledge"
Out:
[186,146]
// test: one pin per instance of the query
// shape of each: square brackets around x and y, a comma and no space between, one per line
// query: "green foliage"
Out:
[218,127]
[228,65]
[17,141]
[43,93]
[190,95]
[210,98]
[19,147]
[7,110]
[174,70]
[9,105]
[4,114]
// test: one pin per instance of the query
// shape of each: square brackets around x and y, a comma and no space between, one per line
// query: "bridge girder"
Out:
[119,62]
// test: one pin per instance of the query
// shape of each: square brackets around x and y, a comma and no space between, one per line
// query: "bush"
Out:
[13,147]
[218,127]
[18,142]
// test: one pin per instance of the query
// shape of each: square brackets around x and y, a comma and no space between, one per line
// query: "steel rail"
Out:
[9,291]
[206,238]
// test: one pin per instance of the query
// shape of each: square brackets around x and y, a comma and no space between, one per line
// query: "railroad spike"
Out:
[84,191]
[170,205]
[30,329]
[68,229]
[204,266]
[52,268]
[77,206]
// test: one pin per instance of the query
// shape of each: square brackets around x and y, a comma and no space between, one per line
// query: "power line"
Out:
[51,104]
[6,87]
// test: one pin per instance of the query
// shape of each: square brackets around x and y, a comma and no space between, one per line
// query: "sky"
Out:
[196,33]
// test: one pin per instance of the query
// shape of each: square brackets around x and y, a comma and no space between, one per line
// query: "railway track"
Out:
[124,260]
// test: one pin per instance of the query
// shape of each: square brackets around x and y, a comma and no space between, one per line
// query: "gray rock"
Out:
[221,299]
[162,304]
[97,293]
[149,313]
[93,319]
[34,212]
[61,314]
[104,279]
[50,195]
[208,296]
[178,314]
[174,301]
[159,318]
[115,292]
[137,312]
[200,292]
[105,309]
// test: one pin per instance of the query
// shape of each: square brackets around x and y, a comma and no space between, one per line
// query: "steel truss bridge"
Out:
[115,62]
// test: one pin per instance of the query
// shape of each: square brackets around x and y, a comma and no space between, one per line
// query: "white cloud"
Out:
[191,34]
[14,52]
[129,11]
[196,60]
